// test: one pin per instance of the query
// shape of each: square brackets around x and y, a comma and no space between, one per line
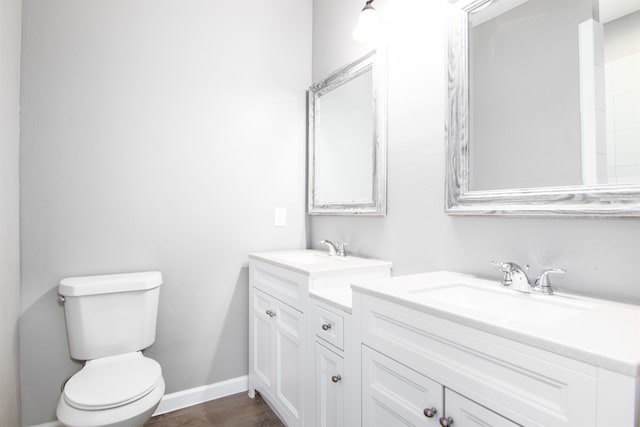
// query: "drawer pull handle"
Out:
[430,412]
[271,313]
[336,378]
[326,326]
[446,422]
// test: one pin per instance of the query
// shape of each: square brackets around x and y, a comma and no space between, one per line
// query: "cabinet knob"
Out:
[446,422]
[430,412]
[336,378]
[271,313]
[326,326]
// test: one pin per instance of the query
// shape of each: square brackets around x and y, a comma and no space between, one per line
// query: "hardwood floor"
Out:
[237,410]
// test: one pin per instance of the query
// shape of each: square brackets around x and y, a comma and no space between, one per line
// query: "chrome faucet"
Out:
[335,249]
[543,284]
[517,278]
[514,275]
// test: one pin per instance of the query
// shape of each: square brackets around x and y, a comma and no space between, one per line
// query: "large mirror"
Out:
[347,141]
[544,108]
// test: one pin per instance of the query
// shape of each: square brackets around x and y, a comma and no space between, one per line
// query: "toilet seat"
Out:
[111,382]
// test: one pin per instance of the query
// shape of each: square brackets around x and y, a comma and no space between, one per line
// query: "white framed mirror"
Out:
[544,108]
[347,140]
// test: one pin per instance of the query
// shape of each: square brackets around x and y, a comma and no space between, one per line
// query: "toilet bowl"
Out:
[110,319]
[116,391]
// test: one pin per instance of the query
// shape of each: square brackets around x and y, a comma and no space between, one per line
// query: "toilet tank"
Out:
[111,314]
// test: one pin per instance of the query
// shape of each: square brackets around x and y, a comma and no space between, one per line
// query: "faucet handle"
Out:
[340,248]
[543,283]
[509,268]
[505,267]
[502,264]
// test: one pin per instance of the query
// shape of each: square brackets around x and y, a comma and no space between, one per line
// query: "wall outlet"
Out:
[280,217]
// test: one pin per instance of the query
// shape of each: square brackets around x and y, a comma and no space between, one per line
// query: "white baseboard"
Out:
[193,396]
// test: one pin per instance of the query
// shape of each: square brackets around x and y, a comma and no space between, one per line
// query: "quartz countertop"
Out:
[599,332]
[339,297]
[311,262]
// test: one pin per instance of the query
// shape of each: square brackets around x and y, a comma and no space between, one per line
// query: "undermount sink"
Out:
[483,300]
[595,331]
[503,305]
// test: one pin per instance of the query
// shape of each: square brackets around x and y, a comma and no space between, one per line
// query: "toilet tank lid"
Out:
[109,283]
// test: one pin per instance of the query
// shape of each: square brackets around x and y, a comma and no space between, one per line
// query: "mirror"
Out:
[347,141]
[544,108]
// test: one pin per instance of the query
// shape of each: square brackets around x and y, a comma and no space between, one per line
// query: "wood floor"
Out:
[237,410]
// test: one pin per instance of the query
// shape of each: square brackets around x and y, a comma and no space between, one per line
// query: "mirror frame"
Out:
[373,61]
[607,200]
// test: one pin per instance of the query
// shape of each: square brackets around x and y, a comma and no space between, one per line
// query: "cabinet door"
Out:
[462,412]
[329,371]
[288,353]
[263,363]
[394,395]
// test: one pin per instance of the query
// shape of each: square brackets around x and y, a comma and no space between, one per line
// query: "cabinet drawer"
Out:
[528,385]
[285,285]
[329,326]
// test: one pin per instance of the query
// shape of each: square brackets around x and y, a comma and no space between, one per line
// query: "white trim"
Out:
[193,396]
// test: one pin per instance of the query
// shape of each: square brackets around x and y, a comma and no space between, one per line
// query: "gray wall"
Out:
[10,11]
[158,135]
[601,256]
[622,37]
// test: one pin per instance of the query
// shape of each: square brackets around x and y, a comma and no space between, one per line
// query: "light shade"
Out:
[369,26]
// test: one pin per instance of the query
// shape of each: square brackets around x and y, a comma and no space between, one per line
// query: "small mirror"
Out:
[347,141]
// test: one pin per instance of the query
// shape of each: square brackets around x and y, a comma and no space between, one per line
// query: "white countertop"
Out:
[598,332]
[340,297]
[310,262]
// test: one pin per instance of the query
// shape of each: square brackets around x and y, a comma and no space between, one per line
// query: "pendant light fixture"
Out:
[369,25]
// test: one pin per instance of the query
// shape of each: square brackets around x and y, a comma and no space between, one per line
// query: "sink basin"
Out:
[309,258]
[505,306]
[595,331]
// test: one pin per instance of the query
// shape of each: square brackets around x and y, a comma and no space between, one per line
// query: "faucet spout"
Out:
[330,246]
[335,249]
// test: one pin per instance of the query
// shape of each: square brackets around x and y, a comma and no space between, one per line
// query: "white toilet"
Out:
[110,319]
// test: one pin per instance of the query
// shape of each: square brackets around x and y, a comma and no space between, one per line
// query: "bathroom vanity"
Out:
[445,348]
[334,341]
[299,347]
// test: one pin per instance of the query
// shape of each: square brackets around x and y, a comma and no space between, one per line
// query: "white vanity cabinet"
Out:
[278,351]
[423,364]
[277,348]
[295,370]
[394,394]
[335,385]
[463,412]
[330,388]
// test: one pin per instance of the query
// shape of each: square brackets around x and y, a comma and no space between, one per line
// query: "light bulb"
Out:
[369,26]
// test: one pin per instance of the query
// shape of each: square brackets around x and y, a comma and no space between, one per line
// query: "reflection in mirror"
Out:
[344,141]
[542,93]
[347,141]
[550,94]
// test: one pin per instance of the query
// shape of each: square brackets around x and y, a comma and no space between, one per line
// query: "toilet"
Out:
[110,319]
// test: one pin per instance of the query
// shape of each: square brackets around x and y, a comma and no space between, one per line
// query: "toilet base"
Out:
[134,414]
